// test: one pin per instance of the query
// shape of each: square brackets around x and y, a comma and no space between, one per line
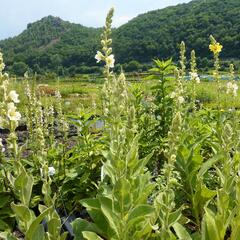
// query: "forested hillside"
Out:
[54,45]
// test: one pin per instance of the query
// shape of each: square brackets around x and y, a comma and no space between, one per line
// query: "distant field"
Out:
[87,90]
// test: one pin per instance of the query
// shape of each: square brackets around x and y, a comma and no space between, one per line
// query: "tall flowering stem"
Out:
[232,89]
[232,86]
[216,48]
[125,182]
[9,117]
[194,78]
[106,54]
[178,94]
[182,59]
[165,200]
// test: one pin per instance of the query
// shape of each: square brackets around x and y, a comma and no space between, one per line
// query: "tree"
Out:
[133,66]
[19,68]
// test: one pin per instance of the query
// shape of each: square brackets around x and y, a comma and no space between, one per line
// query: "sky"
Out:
[16,14]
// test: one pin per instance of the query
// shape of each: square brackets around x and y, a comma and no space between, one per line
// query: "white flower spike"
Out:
[51,171]
[13,96]
[12,114]
[110,61]
[99,56]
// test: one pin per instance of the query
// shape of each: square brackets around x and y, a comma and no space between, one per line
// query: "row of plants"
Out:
[160,166]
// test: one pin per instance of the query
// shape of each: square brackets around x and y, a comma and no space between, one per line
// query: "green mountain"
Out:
[157,33]
[52,44]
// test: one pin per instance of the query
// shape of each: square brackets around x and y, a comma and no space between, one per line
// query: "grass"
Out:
[85,91]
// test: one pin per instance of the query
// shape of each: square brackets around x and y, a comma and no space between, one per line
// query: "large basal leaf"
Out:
[23,185]
[54,226]
[80,225]
[141,211]
[23,213]
[141,164]
[121,193]
[174,216]
[208,164]
[181,232]
[111,216]
[210,228]
[94,210]
[36,230]
[132,155]
[91,236]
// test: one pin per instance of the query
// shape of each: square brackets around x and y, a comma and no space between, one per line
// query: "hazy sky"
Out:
[16,14]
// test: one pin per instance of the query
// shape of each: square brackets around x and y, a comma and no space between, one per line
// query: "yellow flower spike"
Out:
[216,47]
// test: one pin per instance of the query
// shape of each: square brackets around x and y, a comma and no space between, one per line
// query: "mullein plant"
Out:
[19,180]
[232,86]
[9,117]
[30,108]
[188,157]
[61,119]
[52,219]
[216,48]
[167,214]
[40,118]
[120,209]
[182,61]
[195,79]
[34,114]
[30,224]
[221,217]
[48,124]
[179,93]
[62,128]
[33,111]
[41,114]
[9,114]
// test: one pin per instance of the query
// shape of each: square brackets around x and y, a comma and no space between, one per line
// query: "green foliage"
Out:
[133,66]
[120,209]
[59,46]
[52,43]
[19,68]
[6,215]
[163,102]
[159,168]
[156,124]
[83,161]
[156,34]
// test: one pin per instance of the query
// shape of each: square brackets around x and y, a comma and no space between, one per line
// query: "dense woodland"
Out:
[64,48]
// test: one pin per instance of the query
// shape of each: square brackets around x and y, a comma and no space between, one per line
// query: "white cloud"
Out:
[122,19]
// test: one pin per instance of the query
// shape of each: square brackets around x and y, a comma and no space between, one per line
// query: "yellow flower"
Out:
[216,48]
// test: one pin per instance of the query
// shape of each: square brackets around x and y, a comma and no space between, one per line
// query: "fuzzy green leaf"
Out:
[181,232]
[140,211]
[36,231]
[91,236]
